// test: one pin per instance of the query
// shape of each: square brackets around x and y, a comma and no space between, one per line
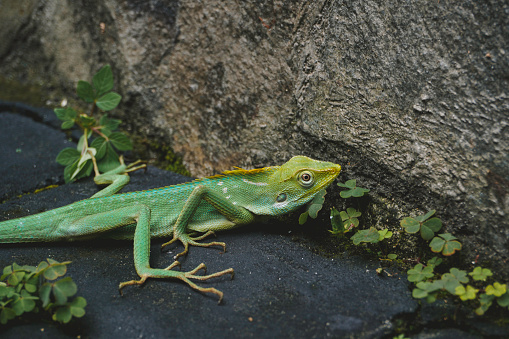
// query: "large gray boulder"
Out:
[409,97]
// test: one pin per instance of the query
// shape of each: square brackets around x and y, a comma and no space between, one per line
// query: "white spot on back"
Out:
[219,183]
[225,189]
[255,183]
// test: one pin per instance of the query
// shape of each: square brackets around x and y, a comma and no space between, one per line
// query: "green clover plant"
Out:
[422,223]
[28,289]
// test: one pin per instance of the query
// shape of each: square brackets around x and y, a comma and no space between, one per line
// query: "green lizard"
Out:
[203,206]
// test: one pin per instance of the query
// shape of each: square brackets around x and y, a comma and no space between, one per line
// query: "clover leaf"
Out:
[428,227]
[371,235]
[496,289]
[353,190]
[468,293]
[445,243]
[480,273]
[419,273]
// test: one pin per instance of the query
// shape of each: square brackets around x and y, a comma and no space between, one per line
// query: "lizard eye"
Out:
[306,178]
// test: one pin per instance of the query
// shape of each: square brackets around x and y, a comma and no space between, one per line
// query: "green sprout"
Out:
[384,234]
[422,223]
[353,190]
[445,243]
[344,221]
[100,154]
[26,288]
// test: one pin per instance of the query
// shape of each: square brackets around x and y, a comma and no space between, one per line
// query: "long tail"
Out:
[33,228]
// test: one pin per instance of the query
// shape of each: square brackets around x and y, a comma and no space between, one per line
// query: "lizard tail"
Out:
[28,229]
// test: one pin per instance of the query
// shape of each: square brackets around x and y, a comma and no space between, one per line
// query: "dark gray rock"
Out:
[280,288]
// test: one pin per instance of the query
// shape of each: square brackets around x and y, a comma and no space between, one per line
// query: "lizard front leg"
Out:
[236,214]
[139,214]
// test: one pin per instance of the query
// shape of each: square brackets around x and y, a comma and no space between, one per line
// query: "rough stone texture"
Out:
[411,97]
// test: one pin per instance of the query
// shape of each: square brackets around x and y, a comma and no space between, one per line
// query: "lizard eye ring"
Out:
[306,178]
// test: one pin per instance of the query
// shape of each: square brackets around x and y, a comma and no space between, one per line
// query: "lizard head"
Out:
[297,181]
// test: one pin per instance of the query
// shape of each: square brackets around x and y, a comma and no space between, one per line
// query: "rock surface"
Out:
[281,288]
[410,97]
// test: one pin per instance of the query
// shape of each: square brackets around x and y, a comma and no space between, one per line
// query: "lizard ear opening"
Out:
[281,197]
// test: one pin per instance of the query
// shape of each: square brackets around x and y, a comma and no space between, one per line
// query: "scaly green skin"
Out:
[206,205]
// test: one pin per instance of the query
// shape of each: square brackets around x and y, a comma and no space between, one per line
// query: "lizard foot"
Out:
[191,275]
[183,276]
[187,240]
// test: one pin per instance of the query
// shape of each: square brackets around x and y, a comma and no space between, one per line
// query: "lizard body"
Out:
[205,205]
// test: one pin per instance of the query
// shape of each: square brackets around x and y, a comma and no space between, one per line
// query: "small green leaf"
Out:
[437,244]
[434,224]
[338,226]
[65,114]
[468,293]
[451,247]
[349,184]
[410,225]
[496,289]
[371,235]
[108,101]
[103,80]
[345,194]
[447,236]
[303,218]
[392,256]
[54,271]
[15,278]
[67,124]
[6,314]
[67,156]
[504,300]
[486,301]
[77,307]
[480,273]
[384,234]
[85,91]
[100,144]
[122,143]
[314,206]
[87,121]
[353,213]
[109,161]
[63,314]
[420,273]
[417,293]
[427,215]
[44,293]
[359,192]
[434,262]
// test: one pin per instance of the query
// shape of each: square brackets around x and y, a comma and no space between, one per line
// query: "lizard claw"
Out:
[186,240]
